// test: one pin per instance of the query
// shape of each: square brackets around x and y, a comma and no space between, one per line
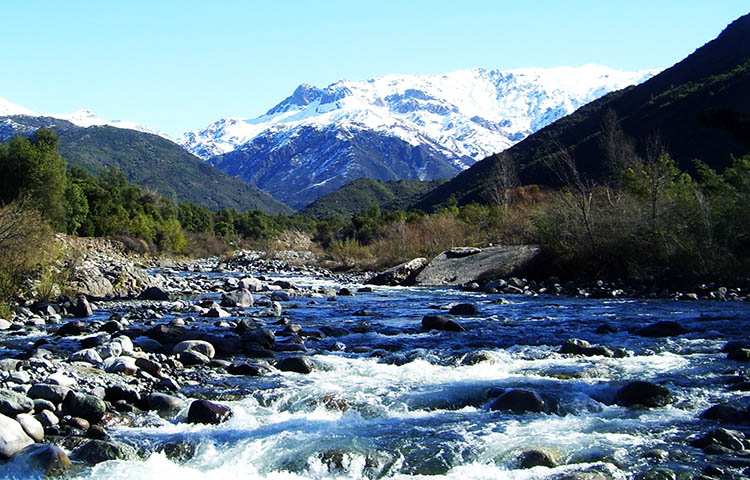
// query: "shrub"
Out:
[27,246]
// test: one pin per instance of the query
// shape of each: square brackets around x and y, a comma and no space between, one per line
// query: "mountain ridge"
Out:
[699,107]
[148,160]
[440,124]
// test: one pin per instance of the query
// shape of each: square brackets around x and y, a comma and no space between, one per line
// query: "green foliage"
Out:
[117,208]
[33,168]
[27,247]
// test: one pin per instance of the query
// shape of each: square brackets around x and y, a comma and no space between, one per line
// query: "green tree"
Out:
[32,169]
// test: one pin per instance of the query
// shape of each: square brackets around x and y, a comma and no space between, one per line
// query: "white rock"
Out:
[124,365]
[88,355]
[199,346]
[31,426]
[60,378]
[125,342]
[12,437]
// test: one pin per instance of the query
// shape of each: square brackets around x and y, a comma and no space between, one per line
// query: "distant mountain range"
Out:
[700,107]
[79,118]
[396,127]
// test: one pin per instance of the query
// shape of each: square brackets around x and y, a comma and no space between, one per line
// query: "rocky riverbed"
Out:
[254,368]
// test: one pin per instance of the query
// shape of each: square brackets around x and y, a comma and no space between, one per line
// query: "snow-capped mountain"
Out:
[461,116]
[87,118]
[80,118]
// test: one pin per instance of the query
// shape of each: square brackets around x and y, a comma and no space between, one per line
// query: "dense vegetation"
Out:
[147,160]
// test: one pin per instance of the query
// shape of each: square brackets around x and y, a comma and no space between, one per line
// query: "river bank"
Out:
[258,368]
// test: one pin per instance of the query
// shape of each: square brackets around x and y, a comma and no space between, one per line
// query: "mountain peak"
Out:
[396,127]
[303,95]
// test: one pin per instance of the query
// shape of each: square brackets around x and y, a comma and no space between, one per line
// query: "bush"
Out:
[27,247]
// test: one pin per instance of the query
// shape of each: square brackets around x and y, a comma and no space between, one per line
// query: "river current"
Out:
[388,400]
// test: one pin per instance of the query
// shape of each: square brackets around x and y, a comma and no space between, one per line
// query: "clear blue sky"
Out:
[180,65]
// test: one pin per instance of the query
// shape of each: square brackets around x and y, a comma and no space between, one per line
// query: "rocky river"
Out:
[256,369]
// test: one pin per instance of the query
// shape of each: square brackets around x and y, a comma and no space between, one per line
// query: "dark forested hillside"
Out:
[357,196]
[700,108]
[147,160]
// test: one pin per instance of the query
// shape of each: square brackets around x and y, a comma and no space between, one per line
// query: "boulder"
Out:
[246,325]
[148,344]
[192,357]
[643,394]
[723,413]
[87,355]
[574,346]
[81,308]
[460,266]
[125,365]
[114,393]
[464,309]
[167,333]
[441,322]
[203,411]
[85,406]
[251,284]
[76,327]
[735,345]
[12,403]
[162,402]
[721,437]
[97,451]
[12,437]
[49,460]
[520,401]
[273,310]
[153,368]
[200,346]
[665,328]
[216,312]
[238,298]
[538,457]
[296,364]
[31,426]
[280,296]
[154,294]
[125,343]
[740,355]
[53,393]
[246,369]
[403,274]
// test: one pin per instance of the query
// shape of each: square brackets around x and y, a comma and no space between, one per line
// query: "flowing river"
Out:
[389,400]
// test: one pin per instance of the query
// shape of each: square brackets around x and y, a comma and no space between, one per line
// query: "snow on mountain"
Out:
[467,114]
[87,118]
[81,118]
[7,108]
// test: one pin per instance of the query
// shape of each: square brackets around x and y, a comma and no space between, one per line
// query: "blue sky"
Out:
[180,65]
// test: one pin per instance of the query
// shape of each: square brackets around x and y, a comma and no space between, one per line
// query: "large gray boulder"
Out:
[403,274]
[459,266]
[12,437]
[238,298]
[201,346]
[12,403]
